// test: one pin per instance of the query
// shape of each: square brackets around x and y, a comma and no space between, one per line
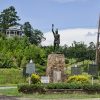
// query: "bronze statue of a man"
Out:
[56,38]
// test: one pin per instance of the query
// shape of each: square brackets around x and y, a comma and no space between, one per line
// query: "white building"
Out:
[16,30]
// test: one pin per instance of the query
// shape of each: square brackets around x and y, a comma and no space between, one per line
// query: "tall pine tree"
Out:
[8,17]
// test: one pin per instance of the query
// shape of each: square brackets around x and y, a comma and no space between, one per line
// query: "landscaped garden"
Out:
[16,52]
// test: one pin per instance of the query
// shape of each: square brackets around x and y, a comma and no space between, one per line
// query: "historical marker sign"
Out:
[93,69]
[30,68]
[76,70]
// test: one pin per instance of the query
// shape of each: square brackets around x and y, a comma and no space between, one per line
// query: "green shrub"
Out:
[78,78]
[33,88]
[40,69]
[64,86]
[55,86]
[66,61]
[94,87]
[35,78]
[42,88]
[74,85]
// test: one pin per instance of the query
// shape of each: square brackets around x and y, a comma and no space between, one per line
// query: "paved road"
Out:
[16,98]
[58,99]
[8,98]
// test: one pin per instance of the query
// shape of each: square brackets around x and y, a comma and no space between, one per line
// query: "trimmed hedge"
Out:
[33,88]
[90,87]
[64,86]
[42,88]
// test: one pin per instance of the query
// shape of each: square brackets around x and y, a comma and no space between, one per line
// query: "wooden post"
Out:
[92,80]
[29,79]
[97,45]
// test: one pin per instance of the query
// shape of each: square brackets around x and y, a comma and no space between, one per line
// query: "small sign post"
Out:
[93,70]
[92,80]
[76,70]
[44,79]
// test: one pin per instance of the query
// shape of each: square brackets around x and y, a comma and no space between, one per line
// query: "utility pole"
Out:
[97,45]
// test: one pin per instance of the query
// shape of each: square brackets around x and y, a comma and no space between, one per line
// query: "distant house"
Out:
[16,30]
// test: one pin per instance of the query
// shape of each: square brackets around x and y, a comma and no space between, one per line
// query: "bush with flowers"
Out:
[35,78]
[78,78]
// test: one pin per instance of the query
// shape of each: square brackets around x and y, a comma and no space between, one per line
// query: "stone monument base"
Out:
[55,67]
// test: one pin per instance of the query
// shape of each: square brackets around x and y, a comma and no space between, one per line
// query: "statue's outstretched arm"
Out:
[53,29]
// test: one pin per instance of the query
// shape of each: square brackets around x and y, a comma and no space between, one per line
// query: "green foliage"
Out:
[16,52]
[42,88]
[35,78]
[8,17]
[40,69]
[64,86]
[48,50]
[33,88]
[11,76]
[66,61]
[35,36]
[78,78]
[80,51]
[90,87]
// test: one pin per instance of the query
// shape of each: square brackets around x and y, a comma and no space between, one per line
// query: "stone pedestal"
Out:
[55,67]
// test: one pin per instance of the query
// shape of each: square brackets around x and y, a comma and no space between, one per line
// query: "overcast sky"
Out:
[65,14]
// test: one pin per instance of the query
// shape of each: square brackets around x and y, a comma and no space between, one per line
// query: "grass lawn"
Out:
[14,92]
[11,76]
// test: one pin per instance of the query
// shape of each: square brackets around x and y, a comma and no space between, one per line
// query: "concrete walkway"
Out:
[7,87]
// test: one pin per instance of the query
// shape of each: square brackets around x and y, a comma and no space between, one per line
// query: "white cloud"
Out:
[66,1]
[67,36]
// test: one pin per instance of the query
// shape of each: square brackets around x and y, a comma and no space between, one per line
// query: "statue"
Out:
[56,38]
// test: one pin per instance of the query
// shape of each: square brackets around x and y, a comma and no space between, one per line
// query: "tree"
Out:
[8,17]
[78,50]
[35,36]
[91,52]
[27,29]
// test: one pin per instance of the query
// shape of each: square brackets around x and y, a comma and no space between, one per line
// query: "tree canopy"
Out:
[35,36]
[8,17]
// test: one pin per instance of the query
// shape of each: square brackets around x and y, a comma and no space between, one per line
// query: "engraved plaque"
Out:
[56,76]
